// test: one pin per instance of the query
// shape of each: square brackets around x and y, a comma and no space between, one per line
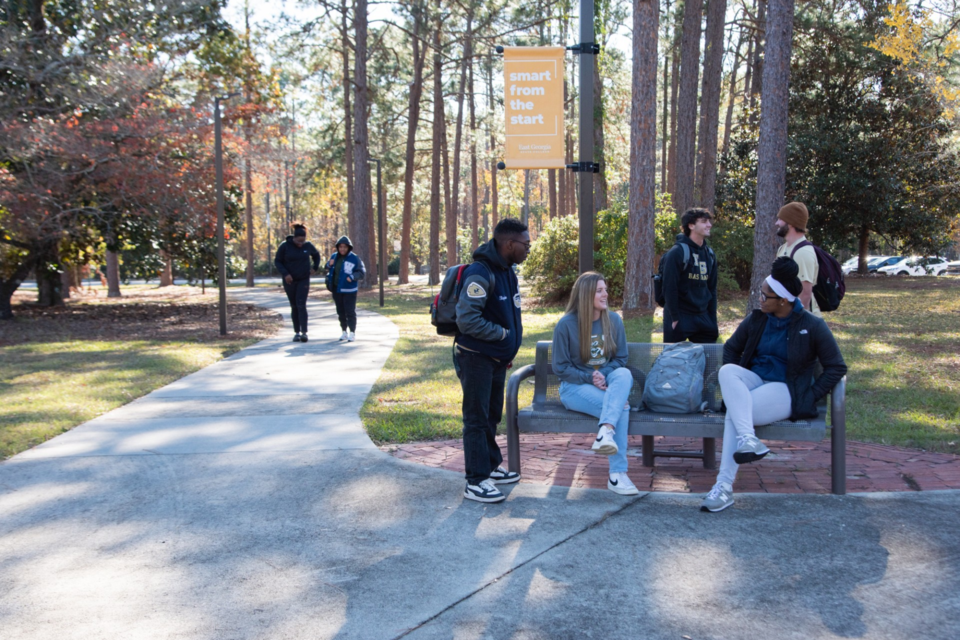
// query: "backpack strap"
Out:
[686,255]
[800,245]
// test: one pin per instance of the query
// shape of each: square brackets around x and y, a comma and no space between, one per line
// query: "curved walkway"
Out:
[245,501]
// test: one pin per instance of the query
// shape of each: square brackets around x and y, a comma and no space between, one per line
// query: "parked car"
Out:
[916,266]
[953,268]
[882,261]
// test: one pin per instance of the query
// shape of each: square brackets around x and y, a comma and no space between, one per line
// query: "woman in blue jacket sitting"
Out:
[293,262]
[344,271]
[768,373]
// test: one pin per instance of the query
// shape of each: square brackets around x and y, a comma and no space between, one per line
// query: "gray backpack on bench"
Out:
[675,381]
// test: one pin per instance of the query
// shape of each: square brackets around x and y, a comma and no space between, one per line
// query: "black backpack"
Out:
[830,287]
[443,311]
[658,276]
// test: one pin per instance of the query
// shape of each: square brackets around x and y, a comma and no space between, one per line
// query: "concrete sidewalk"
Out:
[245,501]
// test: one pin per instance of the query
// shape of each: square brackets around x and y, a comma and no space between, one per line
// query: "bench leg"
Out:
[709,453]
[647,450]
[513,447]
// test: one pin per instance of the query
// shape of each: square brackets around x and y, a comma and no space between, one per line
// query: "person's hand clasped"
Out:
[599,381]
[349,279]
[288,279]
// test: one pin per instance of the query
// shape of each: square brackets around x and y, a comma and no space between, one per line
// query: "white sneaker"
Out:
[352,336]
[604,444]
[343,336]
[719,498]
[620,483]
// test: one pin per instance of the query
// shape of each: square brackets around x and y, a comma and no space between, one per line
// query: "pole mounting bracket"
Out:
[584,167]
[588,48]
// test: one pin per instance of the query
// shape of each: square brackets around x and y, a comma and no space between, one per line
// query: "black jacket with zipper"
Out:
[295,261]
[809,340]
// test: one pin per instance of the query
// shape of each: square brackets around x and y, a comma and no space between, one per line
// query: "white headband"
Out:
[780,290]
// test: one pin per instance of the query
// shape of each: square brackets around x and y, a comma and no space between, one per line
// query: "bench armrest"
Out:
[513,429]
[838,437]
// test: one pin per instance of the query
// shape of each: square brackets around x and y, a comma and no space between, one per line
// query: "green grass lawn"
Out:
[62,367]
[899,336]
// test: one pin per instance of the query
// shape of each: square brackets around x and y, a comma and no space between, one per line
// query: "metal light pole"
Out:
[587,53]
[380,230]
[221,248]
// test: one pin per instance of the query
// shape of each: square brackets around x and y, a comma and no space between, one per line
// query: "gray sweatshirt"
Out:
[566,350]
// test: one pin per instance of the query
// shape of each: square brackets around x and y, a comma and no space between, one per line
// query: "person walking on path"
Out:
[490,333]
[293,262]
[768,373]
[690,283]
[791,225]
[590,358]
[344,272]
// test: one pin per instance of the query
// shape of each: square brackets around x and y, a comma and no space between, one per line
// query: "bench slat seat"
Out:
[547,413]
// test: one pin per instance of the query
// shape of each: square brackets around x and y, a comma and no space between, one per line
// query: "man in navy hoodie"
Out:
[490,333]
[690,288]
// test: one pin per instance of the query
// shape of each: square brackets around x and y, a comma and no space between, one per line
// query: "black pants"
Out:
[346,310]
[297,295]
[700,329]
[482,379]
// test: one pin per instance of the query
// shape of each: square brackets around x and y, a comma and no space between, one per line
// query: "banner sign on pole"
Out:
[533,107]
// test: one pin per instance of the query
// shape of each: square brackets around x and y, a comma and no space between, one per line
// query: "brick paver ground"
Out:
[566,460]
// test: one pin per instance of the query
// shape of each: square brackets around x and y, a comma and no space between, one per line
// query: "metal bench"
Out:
[547,414]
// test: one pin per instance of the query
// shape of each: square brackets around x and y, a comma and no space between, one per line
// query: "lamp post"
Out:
[221,248]
[380,230]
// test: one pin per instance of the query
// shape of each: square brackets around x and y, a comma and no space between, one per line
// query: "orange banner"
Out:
[533,107]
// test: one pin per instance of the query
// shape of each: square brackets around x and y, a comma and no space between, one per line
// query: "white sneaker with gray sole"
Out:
[749,449]
[719,498]
[604,444]
[620,483]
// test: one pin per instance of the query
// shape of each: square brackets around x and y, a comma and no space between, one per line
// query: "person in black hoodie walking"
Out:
[490,333]
[293,262]
[690,285]
[344,272]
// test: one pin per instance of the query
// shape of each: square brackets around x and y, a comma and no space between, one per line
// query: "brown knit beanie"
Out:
[795,214]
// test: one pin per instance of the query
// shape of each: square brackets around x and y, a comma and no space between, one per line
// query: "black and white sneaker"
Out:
[297,338]
[484,491]
[502,476]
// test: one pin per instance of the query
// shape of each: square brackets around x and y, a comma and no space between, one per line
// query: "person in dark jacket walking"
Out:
[344,272]
[293,262]
[690,288]
[490,333]
[768,373]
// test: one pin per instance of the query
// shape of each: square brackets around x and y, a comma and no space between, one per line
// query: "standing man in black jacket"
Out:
[293,262]
[490,333]
[690,286]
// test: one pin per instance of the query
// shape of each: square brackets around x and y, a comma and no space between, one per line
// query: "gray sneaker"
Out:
[749,449]
[719,498]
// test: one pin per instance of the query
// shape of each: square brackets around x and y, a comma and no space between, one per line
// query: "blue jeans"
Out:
[609,406]
[482,379]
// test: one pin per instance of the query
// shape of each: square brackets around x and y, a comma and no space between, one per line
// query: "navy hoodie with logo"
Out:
[489,317]
[693,290]
[295,261]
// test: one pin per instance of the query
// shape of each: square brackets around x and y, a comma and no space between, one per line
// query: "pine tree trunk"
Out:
[863,250]
[772,148]
[364,242]
[435,169]
[756,86]
[672,151]
[348,118]
[413,121]
[710,104]
[599,179]
[665,140]
[458,130]
[728,121]
[474,183]
[166,273]
[638,285]
[687,104]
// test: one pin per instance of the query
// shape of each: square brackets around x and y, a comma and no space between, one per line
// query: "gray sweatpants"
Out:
[750,401]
